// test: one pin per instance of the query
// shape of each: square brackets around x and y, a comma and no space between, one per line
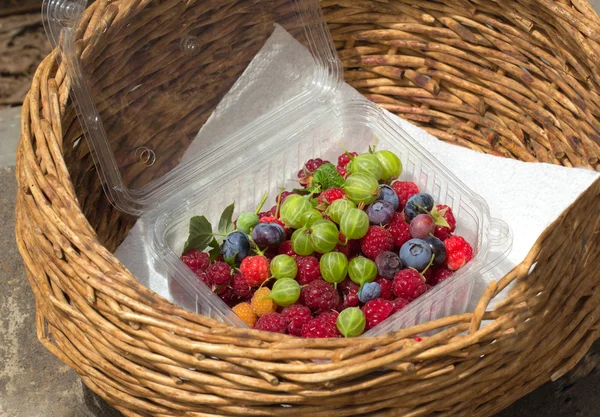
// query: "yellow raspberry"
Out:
[262,305]
[245,312]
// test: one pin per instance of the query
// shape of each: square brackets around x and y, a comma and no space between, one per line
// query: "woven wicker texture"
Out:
[147,357]
[511,78]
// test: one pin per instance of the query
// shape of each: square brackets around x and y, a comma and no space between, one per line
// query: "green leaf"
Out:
[226,222]
[326,177]
[201,234]
[438,217]
[214,253]
[301,191]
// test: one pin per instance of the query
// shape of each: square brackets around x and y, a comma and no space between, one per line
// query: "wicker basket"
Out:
[514,78]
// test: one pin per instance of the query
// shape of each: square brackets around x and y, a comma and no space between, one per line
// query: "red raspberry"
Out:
[272,322]
[286,248]
[305,174]
[271,219]
[409,284]
[329,316]
[458,252]
[202,276]
[318,328]
[377,240]
[345,249]
[329,196]
[438,275]
[400,230]
[196,259]
[342,171]
[346,285]
[376,311]
[313,164]
[350,249]
[386,287]
[351,297]
[264,214]
[405,190]
[427,275]
[298,315]
[349,293]
[308,269]
[344,159]
[240,285]
[320,296]
[399,304]
[255,270]
[442,232]
[271,253]
[219,273]
[229,297]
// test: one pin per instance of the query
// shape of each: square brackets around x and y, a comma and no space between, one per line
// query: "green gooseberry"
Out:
[246,221]
[391,164]
[366,163]
[361,188]
[292,210]
[354,224]
[337,209]
[334,267]
[283,266]
[310,216]
[362,270]
[301,242]
[324,236]
[285,292]
[351,322]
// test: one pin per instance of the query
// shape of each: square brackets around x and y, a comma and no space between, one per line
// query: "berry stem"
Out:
[346,151]
[429,264]
[262,203]
[279,202]
[258,251]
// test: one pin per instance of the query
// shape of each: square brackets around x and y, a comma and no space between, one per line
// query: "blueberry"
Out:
[380,212]
[439,249]
[418,204]
[268,234]
[369,291]
[281,229]
[236,245]
[416,253]
[388,194]
[388,264]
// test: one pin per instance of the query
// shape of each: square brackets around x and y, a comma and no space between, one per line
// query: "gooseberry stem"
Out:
[262,203]
[346,151]
[278,202]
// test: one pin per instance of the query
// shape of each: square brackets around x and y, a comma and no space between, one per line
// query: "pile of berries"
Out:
[335,257]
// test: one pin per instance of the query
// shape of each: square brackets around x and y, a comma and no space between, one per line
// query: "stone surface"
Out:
[33,383]
[9,135]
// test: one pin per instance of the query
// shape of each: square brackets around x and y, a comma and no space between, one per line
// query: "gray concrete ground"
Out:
[33,383]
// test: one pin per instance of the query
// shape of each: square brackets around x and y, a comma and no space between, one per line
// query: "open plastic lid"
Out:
[147,77]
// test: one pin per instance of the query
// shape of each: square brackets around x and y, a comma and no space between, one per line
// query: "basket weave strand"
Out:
[147,357]
[516,79]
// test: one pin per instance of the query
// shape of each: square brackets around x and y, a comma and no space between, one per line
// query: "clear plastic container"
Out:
[163,68]
[272,166]
[151,78]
